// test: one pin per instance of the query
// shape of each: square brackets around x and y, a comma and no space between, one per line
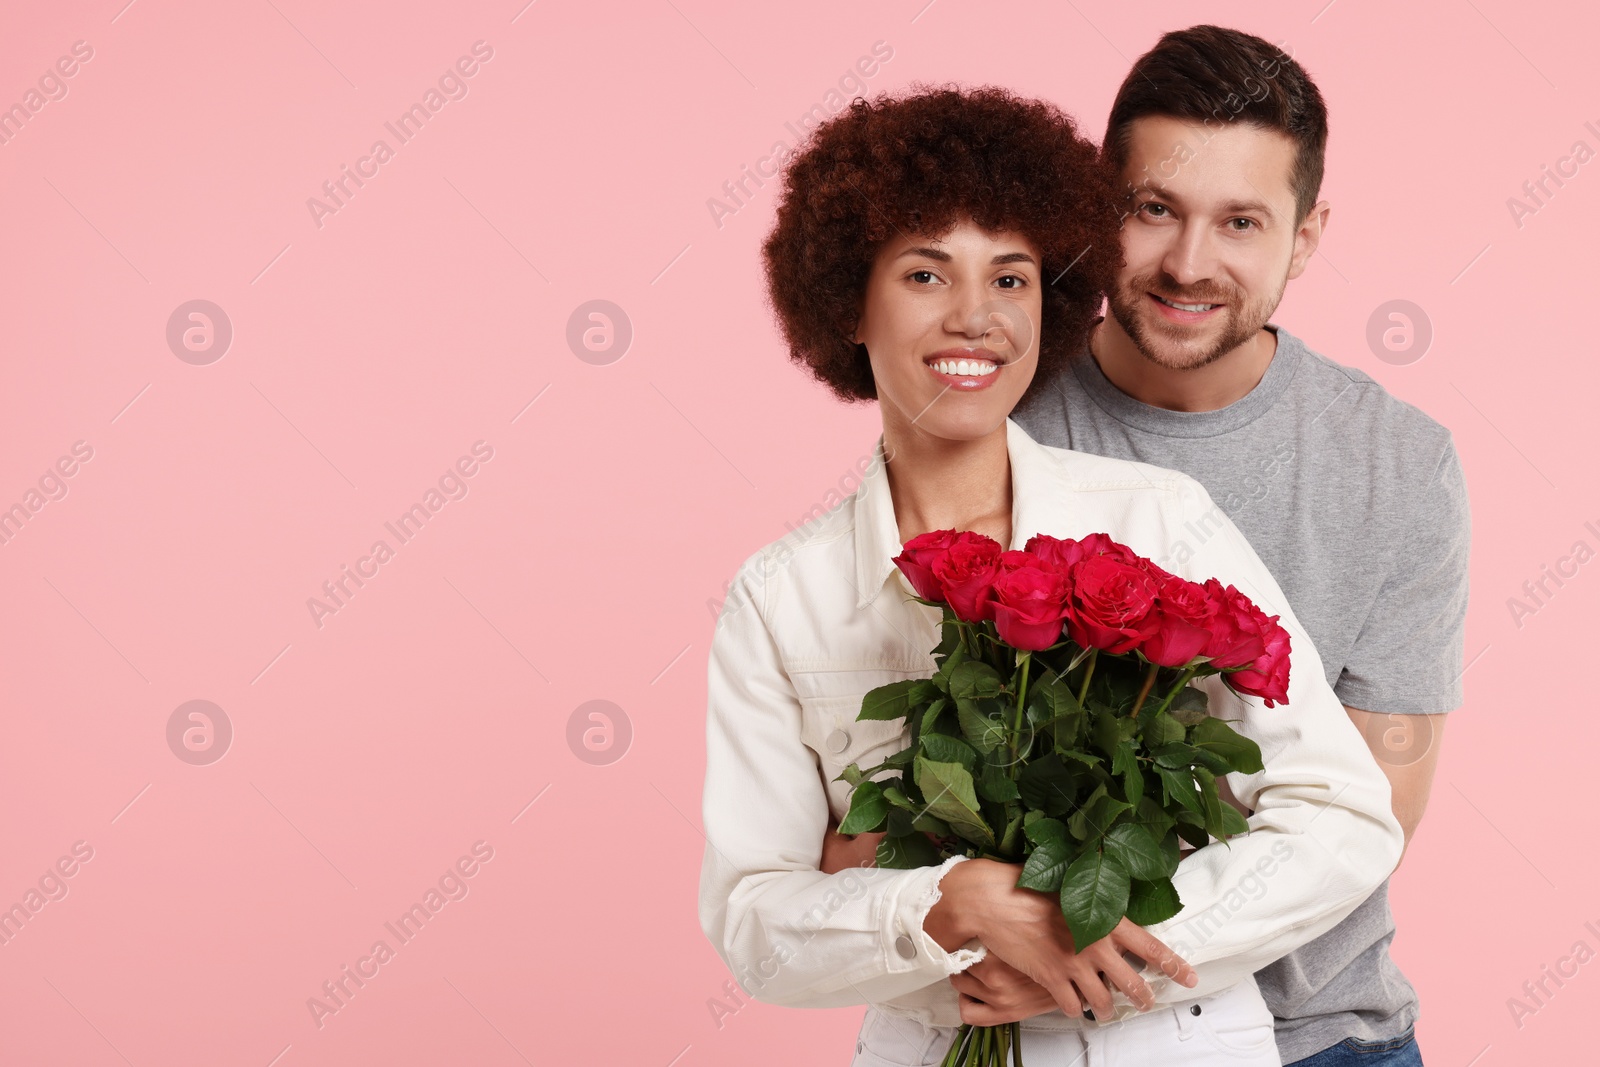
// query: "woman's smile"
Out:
[964,369]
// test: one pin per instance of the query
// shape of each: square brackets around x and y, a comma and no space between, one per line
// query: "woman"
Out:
[934,253]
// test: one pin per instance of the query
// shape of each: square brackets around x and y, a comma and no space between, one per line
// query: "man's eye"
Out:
[1238,228]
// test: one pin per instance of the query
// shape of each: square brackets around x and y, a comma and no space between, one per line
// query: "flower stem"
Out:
[1022,695]
[1144,691]
[1088,672]
[1183,680]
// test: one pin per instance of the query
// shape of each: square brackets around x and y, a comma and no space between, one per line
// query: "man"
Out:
[1355,500]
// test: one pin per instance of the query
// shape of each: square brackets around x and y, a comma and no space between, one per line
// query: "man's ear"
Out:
[1308,236]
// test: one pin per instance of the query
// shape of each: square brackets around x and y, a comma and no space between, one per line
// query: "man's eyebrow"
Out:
[945,257]
[1246,207]
[1230,207]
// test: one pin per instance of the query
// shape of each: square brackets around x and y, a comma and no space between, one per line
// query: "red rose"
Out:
[1029,603]
[1268,676]
[966,574]
[1110,605]
[917,558]
[1238,630]
[1184,612]
[1065,553]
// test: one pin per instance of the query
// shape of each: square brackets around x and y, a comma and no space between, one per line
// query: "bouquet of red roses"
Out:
[1061,730]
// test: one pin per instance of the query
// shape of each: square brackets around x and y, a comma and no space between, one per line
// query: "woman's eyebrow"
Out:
[945,257]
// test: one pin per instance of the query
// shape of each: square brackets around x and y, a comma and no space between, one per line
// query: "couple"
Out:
[946,254]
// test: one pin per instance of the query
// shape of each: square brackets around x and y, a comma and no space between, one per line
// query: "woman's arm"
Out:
[791,934]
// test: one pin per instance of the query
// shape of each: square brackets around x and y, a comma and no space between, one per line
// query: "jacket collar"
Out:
[878,534]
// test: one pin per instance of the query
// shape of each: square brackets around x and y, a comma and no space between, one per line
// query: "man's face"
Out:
[1212,229]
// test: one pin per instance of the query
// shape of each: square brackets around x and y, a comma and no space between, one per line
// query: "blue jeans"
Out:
[1396,1052]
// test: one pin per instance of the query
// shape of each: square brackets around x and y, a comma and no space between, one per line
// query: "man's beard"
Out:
[1159,342]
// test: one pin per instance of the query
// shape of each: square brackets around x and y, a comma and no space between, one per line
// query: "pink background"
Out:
[369,353]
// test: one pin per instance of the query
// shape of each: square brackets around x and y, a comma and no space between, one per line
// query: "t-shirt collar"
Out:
[1087,375]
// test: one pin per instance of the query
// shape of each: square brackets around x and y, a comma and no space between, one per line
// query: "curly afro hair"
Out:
[920,164]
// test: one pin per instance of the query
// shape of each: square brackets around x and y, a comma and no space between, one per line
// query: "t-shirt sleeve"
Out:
[1407,658]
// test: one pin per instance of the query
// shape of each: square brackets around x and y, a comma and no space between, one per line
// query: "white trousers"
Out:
[1228,1029]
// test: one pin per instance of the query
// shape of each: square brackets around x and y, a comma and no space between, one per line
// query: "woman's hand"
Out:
[1026,931]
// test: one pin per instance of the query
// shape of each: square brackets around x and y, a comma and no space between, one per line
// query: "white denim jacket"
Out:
[816,619]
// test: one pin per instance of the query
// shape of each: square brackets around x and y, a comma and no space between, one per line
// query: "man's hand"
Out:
[840,852]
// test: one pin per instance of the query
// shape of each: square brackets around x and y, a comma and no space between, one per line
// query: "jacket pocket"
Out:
[830,729]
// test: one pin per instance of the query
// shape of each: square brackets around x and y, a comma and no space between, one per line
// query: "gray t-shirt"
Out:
[1356,503]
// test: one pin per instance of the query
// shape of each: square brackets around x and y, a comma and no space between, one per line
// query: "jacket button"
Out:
[838,741]
[905,946]
[1194,1009]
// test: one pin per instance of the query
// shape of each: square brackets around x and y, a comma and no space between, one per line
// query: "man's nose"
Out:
[1191,257]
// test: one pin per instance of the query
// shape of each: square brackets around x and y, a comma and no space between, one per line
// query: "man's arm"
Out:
[1407,750]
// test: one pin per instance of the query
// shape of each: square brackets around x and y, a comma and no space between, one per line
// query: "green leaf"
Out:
[1214,735]
[1179,786]
[1163,729]
[1137,851]
[1176,756]
[974,679]
[1211,804]
[1048,785]
[948,791]
[1153,817]
[904,853]
[1192,830]
[1106,731]
[899,822]
[1171,853]
[852,774]
[994,784]
[932,824]
[1078,822]
[930,717]
[942,748]
[1008,840]
[1052,699]
[1105,810]
[1040,828]
[1190,706]
[868,809]
[890,701]
[1046,865]
[1094,897]
[986,734]
[1233,822]
[1126,764]
[897,798]
[1151,902]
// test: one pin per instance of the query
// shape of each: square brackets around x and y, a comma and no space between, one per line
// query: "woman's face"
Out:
[951,325]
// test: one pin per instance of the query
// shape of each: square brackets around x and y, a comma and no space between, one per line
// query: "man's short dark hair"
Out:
[1213,75]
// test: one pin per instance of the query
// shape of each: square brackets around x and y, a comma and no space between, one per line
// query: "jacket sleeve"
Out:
[1322,834]
[791,934]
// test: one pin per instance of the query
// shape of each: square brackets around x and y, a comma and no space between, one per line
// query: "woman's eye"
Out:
[1155,211]
[922,276]
[1020,282]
